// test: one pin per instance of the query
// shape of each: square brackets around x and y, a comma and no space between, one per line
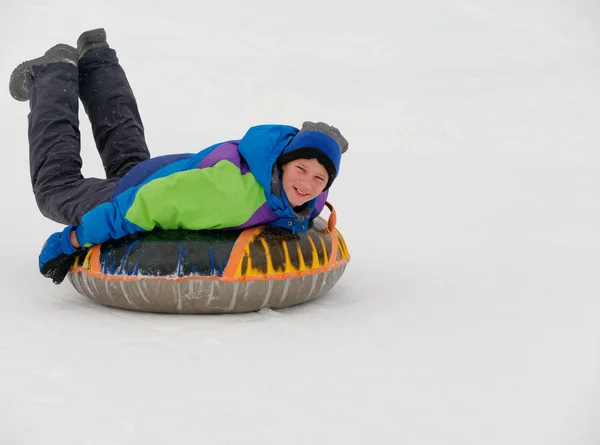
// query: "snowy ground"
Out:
[468,199]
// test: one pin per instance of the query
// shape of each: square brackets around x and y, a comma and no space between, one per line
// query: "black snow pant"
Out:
[60,190]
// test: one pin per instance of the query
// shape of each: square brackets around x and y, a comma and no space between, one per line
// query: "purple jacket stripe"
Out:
[227,151]
[262,215]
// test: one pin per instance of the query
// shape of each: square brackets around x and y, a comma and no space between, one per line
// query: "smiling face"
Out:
[303,180]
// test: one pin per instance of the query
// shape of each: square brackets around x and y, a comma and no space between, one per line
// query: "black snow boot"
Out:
[22,75]
[91,40]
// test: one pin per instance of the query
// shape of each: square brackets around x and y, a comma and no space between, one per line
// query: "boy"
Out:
[275,174]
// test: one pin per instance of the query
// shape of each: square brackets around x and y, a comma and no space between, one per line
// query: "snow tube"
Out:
[216,271]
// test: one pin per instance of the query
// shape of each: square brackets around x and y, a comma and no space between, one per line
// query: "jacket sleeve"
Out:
[216,197]
[105,222]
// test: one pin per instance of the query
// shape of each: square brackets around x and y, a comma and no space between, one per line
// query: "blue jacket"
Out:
[233,184]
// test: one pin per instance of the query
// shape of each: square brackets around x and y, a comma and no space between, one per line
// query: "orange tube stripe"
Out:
[238,251]
[95,258]
[334,249]
[332,216]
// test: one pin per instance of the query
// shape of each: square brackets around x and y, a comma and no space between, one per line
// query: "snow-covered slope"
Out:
[468,198]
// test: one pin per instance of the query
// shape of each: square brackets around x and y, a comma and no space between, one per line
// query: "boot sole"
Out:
[22,68]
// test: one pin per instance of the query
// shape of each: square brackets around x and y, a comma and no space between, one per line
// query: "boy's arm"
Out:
[107,221]
[199,199]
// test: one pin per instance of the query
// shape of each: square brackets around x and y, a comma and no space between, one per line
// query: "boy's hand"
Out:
[57,255]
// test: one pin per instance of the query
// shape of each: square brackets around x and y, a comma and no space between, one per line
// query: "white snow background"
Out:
[469,199]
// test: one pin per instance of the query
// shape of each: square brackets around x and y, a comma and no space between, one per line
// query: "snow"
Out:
[468,199]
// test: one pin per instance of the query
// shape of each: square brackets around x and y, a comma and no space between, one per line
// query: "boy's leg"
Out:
[61,192]
[110,105]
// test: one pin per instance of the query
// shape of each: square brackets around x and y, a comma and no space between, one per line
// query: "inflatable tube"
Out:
[213,271]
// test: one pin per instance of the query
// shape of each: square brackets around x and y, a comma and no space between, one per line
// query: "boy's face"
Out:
[303,180]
